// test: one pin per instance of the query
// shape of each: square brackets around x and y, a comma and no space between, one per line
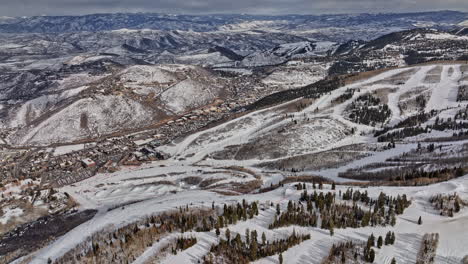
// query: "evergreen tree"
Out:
[371,255]
[388,238]
[253,249]
[393,261]
[280,258]
[333,187]
[263,238]
[456,205]
[371,241]
[393,219]
[228,235]
[379,242]
[278,209]
[420,221]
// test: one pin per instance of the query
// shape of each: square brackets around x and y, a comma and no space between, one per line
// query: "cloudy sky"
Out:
[75,7]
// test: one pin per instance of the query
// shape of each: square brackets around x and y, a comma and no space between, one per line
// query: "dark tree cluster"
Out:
[402,133]
[448,205]
[408,127]
[126,243]
[407,176]
[183,243]
[340,215]
[462,114]
[427,251]
[462,94]
[132,239]
[238,251]
[352,252]
[412,126]
[348,94]
[314,90]
[233,213]
[368,110]
[442,124]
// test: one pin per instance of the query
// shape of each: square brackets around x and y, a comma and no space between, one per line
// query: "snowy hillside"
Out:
[234,139]
[378,134]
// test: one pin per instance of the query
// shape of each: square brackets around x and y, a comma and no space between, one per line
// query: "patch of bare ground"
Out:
[242,169]
[414,100]
[383,93]
[292,179]
[413,92]
[464,68]
[397,79]
[33,212]
[32,236]
[315,161]
[433,76]
[30,213]
[296,106]
[192,180]
[239,187]
[299,136]
[364,75]
[208,182]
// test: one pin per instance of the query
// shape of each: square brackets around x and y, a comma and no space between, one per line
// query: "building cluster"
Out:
[109,154]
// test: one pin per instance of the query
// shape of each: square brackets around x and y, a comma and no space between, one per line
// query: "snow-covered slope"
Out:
[132,98]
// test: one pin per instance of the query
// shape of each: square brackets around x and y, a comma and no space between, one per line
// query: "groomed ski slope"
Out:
[189,157]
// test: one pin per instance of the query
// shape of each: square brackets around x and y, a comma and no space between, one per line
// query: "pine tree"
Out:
[228,235]
[456,205]
[420,221]
[379,242]
[217,230]
[388,238]
[263,238]
[392,238]
[331,228]
[253,249]
[278,209]
[343,257]
[393,261]
[393,219]
[333,187]
[371,241]
[280,258]
[247,236]
[371,255]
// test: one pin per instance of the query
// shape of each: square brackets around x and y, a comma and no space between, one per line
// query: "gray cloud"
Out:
[75,7]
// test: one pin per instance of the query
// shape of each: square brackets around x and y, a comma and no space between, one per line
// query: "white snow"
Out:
[67,149]
[9,213]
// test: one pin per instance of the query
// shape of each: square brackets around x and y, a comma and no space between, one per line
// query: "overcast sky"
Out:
[271,7]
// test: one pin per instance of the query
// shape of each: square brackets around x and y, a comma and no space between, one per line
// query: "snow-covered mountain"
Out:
[173,139]
[106,22]
[396,137]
